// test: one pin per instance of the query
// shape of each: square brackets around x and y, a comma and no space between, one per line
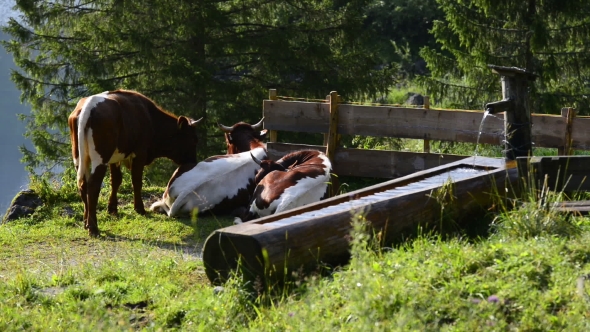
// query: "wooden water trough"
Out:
[568,174]
[270,248]
[561,173]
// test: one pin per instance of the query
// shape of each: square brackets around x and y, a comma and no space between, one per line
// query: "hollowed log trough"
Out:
[270,248]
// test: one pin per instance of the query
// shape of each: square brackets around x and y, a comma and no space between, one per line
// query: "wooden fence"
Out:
[566,132]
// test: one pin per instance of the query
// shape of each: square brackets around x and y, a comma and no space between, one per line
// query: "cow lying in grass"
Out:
[219,184]
[297,179]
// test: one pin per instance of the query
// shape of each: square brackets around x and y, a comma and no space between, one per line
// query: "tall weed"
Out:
[56,188]
[536,214]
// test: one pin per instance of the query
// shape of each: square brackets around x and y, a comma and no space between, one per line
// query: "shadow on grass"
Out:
[190,244]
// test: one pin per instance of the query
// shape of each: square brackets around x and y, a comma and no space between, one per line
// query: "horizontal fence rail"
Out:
[565,132]
[435,124]
[370,163]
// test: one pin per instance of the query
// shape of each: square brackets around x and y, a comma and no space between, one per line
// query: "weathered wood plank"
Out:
[276,151]
[548,130]
[430,124]
[564,173]
[576,207]
[296,116]
[580,133]
[371,163]
[459,126]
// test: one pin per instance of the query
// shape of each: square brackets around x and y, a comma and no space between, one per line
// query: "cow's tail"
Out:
[83,155]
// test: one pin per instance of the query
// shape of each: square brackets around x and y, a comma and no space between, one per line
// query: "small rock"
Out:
[415,99]
[68,212]
[218,290]
[24,204]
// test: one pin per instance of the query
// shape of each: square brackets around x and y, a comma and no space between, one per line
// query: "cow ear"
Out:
[183,121]
[263,133]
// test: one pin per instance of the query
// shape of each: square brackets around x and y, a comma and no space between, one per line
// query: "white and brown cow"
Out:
[123,127]
[219,184]
[297,179]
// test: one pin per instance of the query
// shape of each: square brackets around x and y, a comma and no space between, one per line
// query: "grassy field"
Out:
[146,274]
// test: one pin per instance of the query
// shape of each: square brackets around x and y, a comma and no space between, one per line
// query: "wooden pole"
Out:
[426,141]
[517,113]
[568,113]
[272,95]
[326,135]
[333,141]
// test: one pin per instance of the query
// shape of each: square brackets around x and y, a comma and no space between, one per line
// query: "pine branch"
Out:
[571,27]
[491,27]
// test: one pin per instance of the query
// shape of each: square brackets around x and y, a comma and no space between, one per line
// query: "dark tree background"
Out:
[204,58]
[217,59]
[548,38]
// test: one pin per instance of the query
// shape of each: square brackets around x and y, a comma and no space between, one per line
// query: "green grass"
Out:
[430,284]
[501,283]
[146,274]
[139,274]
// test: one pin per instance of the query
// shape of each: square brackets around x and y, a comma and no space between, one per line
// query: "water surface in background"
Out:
[13,176]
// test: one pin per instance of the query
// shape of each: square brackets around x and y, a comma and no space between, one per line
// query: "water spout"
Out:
[485,114]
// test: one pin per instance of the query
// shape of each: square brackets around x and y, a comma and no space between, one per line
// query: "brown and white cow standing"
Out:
[297,179]
[220,184]
[123,127]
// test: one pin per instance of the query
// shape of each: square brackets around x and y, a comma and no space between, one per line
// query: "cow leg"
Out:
[94,185]
[83,190]
[116,180]
[136,181]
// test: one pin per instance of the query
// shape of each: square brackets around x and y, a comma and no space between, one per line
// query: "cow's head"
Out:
[184,141]
[241,136]
[266,166]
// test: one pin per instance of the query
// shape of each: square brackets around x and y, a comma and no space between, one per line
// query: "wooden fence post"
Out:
[333,139]
[272,136]
[426,141]
[568,113]
[326,135]
[517,113]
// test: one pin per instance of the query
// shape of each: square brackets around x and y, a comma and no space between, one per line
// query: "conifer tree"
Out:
[210,58]
[550,38]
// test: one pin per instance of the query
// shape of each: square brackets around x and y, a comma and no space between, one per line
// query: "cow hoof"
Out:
[141,211]
[113,211]
[238,220]
[94,233]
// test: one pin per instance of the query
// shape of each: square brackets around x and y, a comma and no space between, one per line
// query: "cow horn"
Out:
[258,125]
[256,160]
[225,129]
[194,123]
